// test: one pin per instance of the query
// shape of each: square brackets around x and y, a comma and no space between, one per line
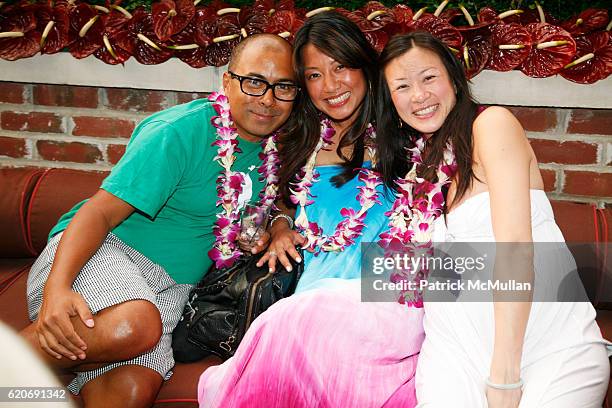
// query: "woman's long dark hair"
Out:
[393,158]
[341,39]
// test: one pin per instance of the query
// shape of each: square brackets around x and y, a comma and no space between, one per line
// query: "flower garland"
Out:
[418,203]
[225,250]
[353,224]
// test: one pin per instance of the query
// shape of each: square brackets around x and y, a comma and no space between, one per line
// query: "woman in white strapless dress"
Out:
[487,354]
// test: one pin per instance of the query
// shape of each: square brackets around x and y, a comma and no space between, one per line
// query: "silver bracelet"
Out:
[283,216]
[513,386]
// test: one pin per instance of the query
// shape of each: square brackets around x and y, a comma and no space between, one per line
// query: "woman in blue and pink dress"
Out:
[513,353]
[323,347]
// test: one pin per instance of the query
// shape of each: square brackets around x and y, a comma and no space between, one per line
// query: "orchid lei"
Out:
[418,203]
[225,250]
[352,224]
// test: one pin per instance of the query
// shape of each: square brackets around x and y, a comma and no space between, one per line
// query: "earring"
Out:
[401,123]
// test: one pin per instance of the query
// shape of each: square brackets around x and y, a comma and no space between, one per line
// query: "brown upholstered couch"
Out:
[32,200]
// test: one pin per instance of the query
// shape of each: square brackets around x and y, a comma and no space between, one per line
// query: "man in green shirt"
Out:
[106,293]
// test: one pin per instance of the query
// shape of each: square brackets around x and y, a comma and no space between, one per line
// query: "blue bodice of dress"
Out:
[324,268]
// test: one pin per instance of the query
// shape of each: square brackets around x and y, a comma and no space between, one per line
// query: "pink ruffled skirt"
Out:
[322,348]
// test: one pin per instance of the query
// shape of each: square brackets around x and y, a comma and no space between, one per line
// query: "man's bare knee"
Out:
[125,386]
[121,332]
[136,326]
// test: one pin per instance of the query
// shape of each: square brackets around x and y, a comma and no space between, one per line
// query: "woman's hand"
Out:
[282,245]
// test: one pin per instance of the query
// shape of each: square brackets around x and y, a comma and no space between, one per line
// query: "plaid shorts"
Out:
[115,274]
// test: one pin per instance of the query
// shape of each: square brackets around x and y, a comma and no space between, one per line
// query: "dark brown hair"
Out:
[341,39]
[393,158]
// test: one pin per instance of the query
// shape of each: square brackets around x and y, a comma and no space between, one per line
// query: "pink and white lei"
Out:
[352,224]
[418,203]
[225,250]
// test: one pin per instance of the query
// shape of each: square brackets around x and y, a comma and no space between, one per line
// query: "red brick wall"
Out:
[88,127]
[73,126]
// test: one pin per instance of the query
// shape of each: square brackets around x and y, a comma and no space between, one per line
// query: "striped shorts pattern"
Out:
[115,274]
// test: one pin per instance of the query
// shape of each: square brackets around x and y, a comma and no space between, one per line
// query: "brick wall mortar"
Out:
[563,120]
[69,112]
[599,202]
[577,167]
[601,154]
[64,137]
[569,137]
[8,162]
[27,93]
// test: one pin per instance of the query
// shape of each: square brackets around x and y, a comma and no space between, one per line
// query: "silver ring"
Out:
[272,253]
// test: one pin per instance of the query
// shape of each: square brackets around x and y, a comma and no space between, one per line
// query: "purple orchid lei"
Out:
[225,250]
[417,205]
[352,224]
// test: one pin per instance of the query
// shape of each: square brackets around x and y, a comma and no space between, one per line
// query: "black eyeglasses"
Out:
[283,91]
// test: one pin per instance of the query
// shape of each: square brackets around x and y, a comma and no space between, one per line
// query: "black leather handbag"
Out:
[224,304]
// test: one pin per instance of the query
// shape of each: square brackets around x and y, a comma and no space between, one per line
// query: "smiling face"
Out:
[256,117]
[336,90]
[420,89]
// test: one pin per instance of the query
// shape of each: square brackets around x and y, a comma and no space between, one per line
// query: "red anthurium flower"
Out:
[374,16]
[451,14]
[140,40]
[285,23]
[510,45]
[377,39]
[115,33]
[270,7]
[86,30]
[171,17]
[190,44]
[587,21]
[402,20]
[53,23]
[19,37]
[488,15]
[227,28]
[552,49]
[225,35]
[402,14]
[593,59]
[441,29]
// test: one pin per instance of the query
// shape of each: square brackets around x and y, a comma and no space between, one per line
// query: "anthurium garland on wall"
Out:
[527,37]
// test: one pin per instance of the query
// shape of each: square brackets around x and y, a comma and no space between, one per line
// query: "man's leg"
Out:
[136,305]
[128,386]
[121,332]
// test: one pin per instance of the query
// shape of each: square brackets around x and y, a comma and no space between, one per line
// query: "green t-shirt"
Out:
[169,175]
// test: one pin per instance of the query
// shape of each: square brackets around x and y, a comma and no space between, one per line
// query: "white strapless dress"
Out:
[565,361]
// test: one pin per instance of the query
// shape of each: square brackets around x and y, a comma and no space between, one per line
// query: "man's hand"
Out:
[56,333]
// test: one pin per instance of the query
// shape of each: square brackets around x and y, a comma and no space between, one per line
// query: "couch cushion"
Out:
[13,307]
[10,269]
[56,192]
[17,185]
